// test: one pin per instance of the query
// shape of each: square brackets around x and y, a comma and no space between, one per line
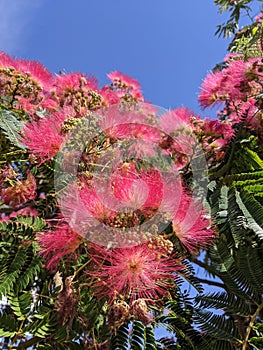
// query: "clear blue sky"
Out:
[168,45]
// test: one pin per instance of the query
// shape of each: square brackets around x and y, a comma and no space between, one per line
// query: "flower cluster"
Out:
[120,198]
[238,86]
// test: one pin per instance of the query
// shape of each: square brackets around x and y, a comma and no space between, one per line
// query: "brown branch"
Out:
[250,326]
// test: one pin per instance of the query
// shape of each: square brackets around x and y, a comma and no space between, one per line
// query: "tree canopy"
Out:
[120,218]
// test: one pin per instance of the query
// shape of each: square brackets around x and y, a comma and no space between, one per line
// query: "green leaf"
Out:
[11,127]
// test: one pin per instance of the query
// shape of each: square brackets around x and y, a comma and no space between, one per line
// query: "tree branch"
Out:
[250,326]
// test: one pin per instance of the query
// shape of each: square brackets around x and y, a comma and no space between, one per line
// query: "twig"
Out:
[250,326]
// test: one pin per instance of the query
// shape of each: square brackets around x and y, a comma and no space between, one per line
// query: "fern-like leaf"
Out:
[11,127]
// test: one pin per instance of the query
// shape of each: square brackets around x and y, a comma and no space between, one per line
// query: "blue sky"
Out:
[168,45]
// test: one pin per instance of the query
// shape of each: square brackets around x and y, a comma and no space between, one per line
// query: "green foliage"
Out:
[11,127]
[236,9]
[134,335]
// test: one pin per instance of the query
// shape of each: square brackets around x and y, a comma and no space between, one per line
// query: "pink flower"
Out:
[54,245]
[5,60]
[68,83]
[123,84]
[178,138]
[176,119]
[136,272]
[64,113]
[191,226]
[141,190]
[84,209]
[25,104]
[245,111]
[43,138]
[94,204]
[119,78]
[259,17]
[49,104]
[37,72]
[237,82]
[27,211]
[109,96]
[217,128]
[21,192]
[76,90]
[121,123]
[211,89]
[23,80]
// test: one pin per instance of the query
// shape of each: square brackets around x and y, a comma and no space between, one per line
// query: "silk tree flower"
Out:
[212,89]
[178,137]
[84,210]
[43,138]
[36,71]
[107,201]
[57,243]
[21,191]
[134,273]
[243,77]
[237,82]
[76,90]
[138,189]
[23,80]
[191,225]
[26,211]
[118,123]
[109,97]
[217,129]
[31,70]
[123,84]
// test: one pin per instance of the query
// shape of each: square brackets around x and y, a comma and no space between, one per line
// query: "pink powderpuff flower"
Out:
[64,113]
[133,130]
[36,71]
[43,138]
[141,190]
[95,204]
[83,208]
[178,137]
[74,89]
[242,79]
[217,128]
[125,84]
[176,119]
[212,91]
[191,226]
[122,123]
[25,104]
[27,211]
[49,105]
[57,243]
[136,272]
[141,149]
[5,60]
[23,79]
[109,96]
[120,78]
[259,17]
[245,111]
[67,83]
[21,192]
